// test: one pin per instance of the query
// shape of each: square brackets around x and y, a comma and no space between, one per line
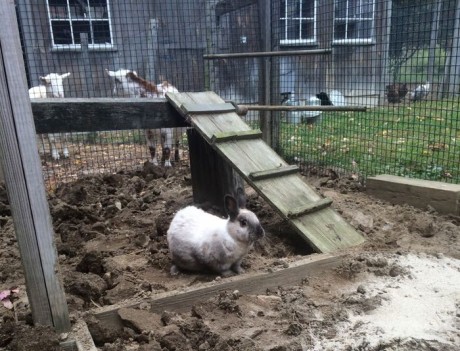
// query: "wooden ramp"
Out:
[276,181]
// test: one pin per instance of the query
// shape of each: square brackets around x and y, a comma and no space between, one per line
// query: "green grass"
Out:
[419,140]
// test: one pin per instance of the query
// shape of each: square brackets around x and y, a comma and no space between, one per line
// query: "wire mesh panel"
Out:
[397,58]
[109,48]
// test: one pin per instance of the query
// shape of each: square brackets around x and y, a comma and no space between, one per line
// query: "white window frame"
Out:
[71,20]
[284,29]
[347,20]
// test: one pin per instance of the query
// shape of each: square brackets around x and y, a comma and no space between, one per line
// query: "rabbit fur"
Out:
[199,241]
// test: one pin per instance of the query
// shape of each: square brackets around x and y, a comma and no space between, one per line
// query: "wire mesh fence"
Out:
[398,58]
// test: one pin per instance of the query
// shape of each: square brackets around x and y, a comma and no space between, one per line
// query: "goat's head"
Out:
[166,87]
[54,84]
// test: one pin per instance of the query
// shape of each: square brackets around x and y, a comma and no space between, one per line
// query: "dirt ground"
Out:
[398,291]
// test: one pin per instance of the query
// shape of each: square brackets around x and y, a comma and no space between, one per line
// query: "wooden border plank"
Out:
[79,338]
[181,301]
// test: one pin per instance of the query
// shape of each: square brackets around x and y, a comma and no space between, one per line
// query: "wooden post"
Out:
[383,73]
[211,45]
[86,75]
[433,41]
[265,98]
[212,177]
[152,45]
[275,81]
[24,181]
[453,77]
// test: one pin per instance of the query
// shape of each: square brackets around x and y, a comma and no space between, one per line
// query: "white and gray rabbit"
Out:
[201,241]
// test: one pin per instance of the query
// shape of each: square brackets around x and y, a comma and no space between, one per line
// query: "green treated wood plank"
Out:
[208,124]
[236,136]
[251,156]
[207,108]
[327,231]
[309,208]
[274,172]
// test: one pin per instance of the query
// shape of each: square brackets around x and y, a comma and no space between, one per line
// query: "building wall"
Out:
[172,50]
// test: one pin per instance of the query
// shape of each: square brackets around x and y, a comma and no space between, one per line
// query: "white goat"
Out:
[52,87]
[128,83]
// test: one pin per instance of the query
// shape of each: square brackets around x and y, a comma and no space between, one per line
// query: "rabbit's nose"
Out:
[260,232]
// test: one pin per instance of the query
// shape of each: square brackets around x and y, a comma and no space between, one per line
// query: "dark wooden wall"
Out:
[173,51]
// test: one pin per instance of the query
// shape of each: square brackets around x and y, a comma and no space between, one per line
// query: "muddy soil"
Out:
[110,238]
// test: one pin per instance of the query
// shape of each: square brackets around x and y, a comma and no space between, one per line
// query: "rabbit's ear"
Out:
[231,206]
[241,197]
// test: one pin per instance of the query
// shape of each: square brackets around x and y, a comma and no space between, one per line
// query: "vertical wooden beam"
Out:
[383,24]
[152,45]
[265,99]
[86,74]
[433,41]
[453,76]
[212,177]
[24,181]
[211,79]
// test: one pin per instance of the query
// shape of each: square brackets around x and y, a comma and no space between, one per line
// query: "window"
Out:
[69,18]
[354,21]
[298,22]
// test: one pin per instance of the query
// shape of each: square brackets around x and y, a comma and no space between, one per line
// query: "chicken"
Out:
[421,92]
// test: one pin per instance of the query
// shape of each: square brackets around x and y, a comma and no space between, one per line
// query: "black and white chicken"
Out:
[334,98]
[421,92]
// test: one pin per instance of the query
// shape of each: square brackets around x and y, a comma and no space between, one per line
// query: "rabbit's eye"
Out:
[243,222]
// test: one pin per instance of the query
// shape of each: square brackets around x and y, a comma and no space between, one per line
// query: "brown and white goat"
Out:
[52,87]
[128,83]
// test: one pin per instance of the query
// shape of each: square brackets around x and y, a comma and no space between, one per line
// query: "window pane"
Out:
[101,32]
[81,27]
[293,8]
[59,12]
[360,8]
[340,8]
[352,32]
[98,3]
[57,2]
[308,30]
[78,8]
[308,8]
[283,9]
[293,29]
[353,8]
[61,32]
[98,8]
[340,31]
[367,9]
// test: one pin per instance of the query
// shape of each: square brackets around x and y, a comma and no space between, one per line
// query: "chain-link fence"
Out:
[397,58]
